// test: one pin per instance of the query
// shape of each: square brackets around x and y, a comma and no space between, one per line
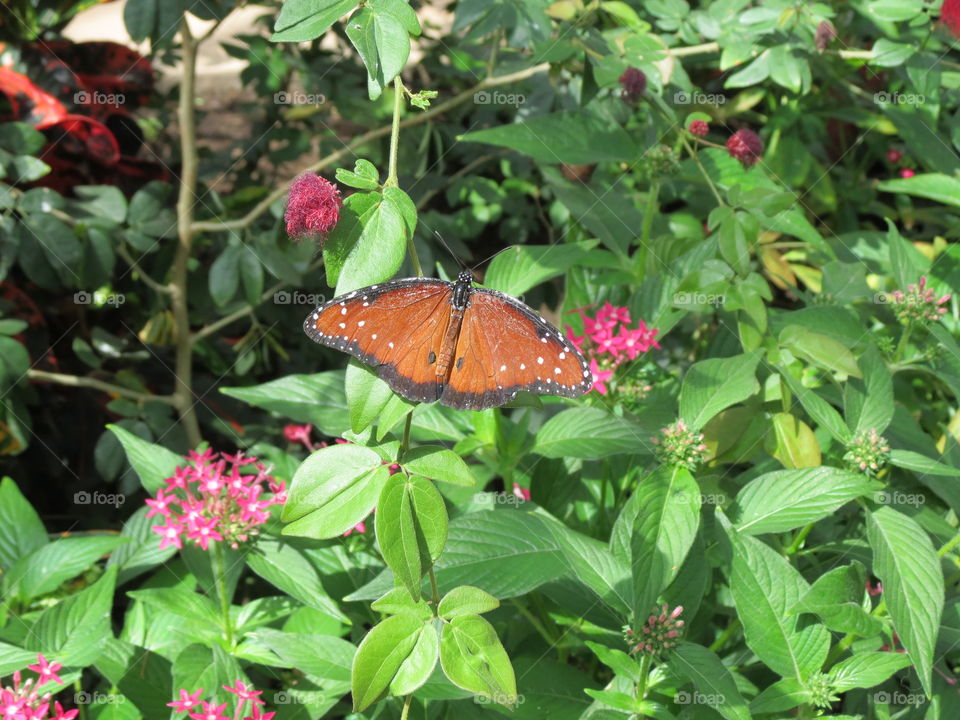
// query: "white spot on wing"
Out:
[540,361]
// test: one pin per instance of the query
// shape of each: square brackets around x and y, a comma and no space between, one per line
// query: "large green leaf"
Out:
[711,678]
[837,597]
[303,20]
[868,402]
[765,589]
[334,489]
[821,350]
[380,248]
[379,657]
[21,530]
[317,399]
[45,568]
[587,432]
[574,137]
[907,564]
[941,188]
[153,463]
[787,499]
[519,268]
[322,656]
[142,551]
[713,385]
[474,659]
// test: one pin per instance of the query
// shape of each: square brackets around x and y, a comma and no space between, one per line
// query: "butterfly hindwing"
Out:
[507,347]
[395,327]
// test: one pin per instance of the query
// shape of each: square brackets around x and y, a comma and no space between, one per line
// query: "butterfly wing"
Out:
[397,328]
[506,347]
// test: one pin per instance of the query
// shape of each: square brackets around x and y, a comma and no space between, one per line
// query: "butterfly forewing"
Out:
[397,328]
[507,347]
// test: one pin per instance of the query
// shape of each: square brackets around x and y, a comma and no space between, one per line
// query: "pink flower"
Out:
[521,492]
[211,712]
[600,377]
[244,693]
[186,701]
[746,146]
[313,207]
[215,497]
[47,671]
[60,714]
[907,173]
[360,527]
[299,434]
[950,15]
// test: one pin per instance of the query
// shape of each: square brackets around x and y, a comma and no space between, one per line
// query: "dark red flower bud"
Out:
[313,207]
[950,15]
[746,146]
[825,33]
[894,156]
[699,128]
[634,83]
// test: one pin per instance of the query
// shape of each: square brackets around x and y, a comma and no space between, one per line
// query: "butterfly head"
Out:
[465,276]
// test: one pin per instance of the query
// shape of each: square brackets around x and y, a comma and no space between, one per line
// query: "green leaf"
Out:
[103,201]
[322,656]
[594,565]
[821,350]
[894,10]
[342,239]
[206,667]
[304,20]
[379,657]
[181,601]
[617,660]
[713,385]
[20,139]
[473,659]
[45,568]
[765,588]
[251,273]
[574,137]
[367,395]
[466,600]
[75,629]
[411,525]
[866,669]
[317,399]
[519,268]
[868,401]
[287,568]
[921,464]
[149,687]
[887,53]
[140,17]
[399,602]
[153,463]
[142,551]
[149,212]
[666,514]
[225,275]
[907,564]
[711,678]
[380,248]
[787,499]
[938,187]
[822,412]
[417,668]
[21,530]
[438,463]
[587,433]
[334,489]
[836,597]
[507,553]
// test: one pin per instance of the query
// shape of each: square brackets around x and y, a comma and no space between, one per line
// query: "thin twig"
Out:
[93,383]
[135,266]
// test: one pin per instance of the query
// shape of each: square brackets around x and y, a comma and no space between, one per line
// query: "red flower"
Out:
[746,146]
[313,207]
[950,14]
[699,128]
[634,83]
[907,173]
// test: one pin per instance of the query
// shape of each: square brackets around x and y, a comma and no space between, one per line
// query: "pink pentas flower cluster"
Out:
[211,499]
[918,303]
[198,709]
[608,342]
[23,699]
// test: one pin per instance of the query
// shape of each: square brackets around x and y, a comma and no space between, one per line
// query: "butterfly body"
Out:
[468,348]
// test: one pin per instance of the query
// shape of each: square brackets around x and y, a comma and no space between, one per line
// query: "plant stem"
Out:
[641,690]
[183,366]
[902,344]
[798,540]
[405,444]
[80,381]
[392,179]
[703,170]
[434,588]
[725,635]
[405,713]
[648,214]
[950,545]
[220,580]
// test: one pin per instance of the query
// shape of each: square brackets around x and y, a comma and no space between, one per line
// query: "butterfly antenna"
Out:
[450,250]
